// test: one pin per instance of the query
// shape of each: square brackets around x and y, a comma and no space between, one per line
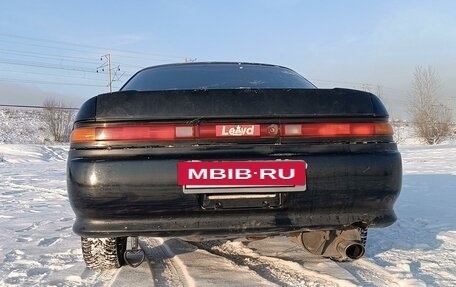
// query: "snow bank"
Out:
[22,126]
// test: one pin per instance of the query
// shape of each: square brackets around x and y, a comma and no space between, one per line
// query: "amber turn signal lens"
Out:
[384,129]
[83,135]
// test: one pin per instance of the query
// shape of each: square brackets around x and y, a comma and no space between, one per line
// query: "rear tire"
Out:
[104,253]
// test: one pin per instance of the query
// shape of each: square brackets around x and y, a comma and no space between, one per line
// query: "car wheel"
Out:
[104,253]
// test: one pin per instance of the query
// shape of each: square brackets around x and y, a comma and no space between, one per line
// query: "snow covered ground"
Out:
[22,125]
[38,248]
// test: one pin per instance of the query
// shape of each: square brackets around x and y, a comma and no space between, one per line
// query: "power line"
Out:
[144,57]
[47,66]
[54,75]
[45,54]
[57,61]
[36,107]
[46,57]
[130,65]
[61,45]
[87,46]
[357,84]
[19,62]
[51,66]
[22,81]
[42,46]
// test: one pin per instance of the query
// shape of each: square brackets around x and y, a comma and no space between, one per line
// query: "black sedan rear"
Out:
[127,147]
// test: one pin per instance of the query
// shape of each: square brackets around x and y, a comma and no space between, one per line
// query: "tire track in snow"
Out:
[50,153]
[371,274]
[275,270]
[366,277]
[21,188]
[166,267]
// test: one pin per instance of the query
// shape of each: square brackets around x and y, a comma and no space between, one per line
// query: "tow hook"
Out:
[134,256]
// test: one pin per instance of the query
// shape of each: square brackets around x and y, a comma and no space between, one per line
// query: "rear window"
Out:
[216,76]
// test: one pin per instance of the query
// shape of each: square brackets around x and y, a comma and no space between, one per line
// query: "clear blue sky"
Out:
[54,47]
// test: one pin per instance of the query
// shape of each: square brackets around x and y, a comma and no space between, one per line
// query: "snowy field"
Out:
[22,125]
[38,248]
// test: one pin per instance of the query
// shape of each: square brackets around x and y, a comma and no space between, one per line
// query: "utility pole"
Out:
[107,63]
[108,57]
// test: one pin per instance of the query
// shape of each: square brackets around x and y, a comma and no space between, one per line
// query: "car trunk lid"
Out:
[237,104]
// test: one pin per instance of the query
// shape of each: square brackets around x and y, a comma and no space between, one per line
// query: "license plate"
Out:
[242,176]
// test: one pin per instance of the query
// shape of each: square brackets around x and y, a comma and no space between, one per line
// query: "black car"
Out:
[135,152]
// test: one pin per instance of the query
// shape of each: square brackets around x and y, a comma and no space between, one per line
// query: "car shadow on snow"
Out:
[425,208]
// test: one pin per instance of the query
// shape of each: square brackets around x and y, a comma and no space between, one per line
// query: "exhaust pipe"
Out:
[351,249]
[339,245]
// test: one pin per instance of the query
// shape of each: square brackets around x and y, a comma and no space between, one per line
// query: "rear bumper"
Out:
[135,192]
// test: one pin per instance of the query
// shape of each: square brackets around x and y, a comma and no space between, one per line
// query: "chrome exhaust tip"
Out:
[351,249]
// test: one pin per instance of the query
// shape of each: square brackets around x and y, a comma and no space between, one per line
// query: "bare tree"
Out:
[58,118]
[400,131]
[431,118]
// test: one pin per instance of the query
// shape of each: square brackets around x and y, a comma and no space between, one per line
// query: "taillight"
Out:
[161,132]
[132,133]
[336,129]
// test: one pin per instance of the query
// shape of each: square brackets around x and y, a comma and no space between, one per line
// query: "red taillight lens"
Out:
[133,133]
[336,129]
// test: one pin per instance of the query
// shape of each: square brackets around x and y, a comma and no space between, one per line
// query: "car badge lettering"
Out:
[238,130]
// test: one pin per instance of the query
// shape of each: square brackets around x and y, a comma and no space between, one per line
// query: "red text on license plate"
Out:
[261,173]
